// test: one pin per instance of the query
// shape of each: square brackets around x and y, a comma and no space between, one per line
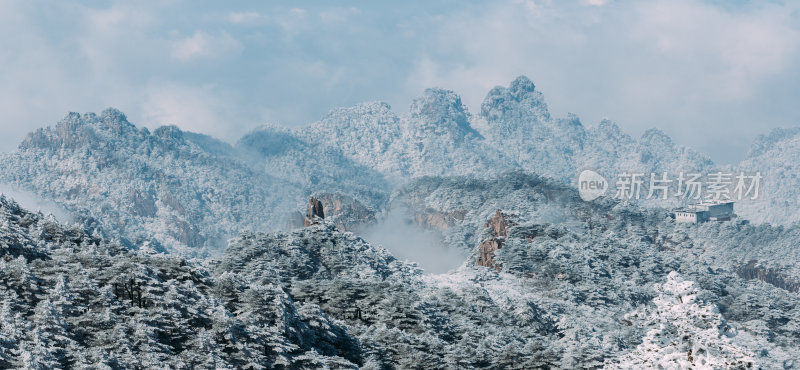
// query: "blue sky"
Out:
[713,75]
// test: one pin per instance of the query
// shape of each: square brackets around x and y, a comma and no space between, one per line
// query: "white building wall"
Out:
[686,217]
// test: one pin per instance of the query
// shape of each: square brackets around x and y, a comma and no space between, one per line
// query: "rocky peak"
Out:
[370,125]
[607,133]
[70,132]
[499,224]
[656,138]
[764,143]
[439,107]
[76,130]
[342,211]
[315,212]
[520,86]
[608,128]
[169,133]
[115,120]
[520,97]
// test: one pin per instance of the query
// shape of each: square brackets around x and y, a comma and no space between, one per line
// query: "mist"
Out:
[398,233]
[35,203]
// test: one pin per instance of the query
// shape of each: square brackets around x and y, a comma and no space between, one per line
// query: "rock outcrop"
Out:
[432,219]
[342,211]
[346,212]
[498,230]
[315,212]
[773,276]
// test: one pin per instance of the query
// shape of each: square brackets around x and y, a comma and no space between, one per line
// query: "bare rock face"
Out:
[773,276]
[346,212]
[343,211]
[172,201]
[498,224]
[187,234]
[315,212]
[498,230]
[486,253]
[437,220]
[142,203]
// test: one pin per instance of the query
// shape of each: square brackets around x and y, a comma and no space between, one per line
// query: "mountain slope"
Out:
[312,167]
[157,188]
[68,299]
[434,138]
[190,193]
[559,295]
[517,121]
[775,156]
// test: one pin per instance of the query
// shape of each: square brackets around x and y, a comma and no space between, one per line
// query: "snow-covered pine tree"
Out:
[685,332]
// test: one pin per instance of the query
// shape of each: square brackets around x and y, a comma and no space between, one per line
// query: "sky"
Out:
[711,74]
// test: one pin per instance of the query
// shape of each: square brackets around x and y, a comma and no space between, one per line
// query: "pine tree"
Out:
[12,332]
[52,334]
[685,332]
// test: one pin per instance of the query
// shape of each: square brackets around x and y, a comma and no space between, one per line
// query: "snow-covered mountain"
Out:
[158,188]
[189,192]
[72,300]
[434,138]
[608,254]
[309,166]
[580,294]
[172,189]
[777,157]
[513,130]
[188,252]
[516,120]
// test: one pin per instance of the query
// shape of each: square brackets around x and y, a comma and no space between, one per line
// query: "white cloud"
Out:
[338,15]
[35,203]
[202,45]
[730,52]
[202,109]
[595,2]
[408,241]
[670,64]
[107,19]
[244,17]
[291,21]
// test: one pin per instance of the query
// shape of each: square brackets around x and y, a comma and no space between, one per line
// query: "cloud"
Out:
[203,109]
[107,19]
[667,64]
[407,241]
[731,51]
[244,17]
[338,15]
[711,74]
[595,2]
[34,203]
[202,45]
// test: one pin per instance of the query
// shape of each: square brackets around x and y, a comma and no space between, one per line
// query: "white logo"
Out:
[591,185]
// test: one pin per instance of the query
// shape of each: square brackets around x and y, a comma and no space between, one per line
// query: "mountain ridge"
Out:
[186,191]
